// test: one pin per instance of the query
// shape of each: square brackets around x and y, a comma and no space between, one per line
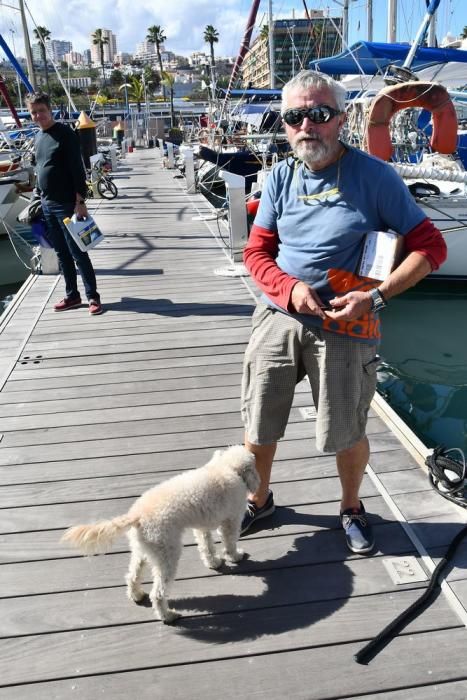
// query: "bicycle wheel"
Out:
[107,188]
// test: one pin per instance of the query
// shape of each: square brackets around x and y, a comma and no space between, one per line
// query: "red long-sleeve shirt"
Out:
[261,251]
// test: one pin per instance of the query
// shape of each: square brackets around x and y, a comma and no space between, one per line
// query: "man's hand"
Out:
[304,300]
[81,210]
[350,307]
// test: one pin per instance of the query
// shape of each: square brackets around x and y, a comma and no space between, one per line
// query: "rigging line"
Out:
[65,88]
[346,46]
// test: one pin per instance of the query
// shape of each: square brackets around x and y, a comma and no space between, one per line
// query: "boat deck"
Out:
[94,410]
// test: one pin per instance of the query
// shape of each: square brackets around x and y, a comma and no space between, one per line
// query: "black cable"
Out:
[438,463]
[368,652]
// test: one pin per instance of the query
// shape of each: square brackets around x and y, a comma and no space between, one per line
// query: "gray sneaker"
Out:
[253,513]
[358,531]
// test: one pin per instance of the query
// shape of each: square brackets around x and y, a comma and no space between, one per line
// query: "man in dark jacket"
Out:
[61,183]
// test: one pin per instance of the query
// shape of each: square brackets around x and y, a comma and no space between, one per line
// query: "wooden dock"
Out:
[94,410]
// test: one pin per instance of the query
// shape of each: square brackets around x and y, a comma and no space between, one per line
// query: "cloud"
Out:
[184,28]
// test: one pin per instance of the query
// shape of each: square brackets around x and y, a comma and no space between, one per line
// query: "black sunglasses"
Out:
[318,115]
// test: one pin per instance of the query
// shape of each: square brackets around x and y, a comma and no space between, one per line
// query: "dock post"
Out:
[187,154]
[237,213]
[49,261]
[170,155]
[113,156]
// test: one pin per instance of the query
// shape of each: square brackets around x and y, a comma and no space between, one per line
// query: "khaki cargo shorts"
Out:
[342,374]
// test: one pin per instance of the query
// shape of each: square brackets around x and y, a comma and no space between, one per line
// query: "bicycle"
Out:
[104,184]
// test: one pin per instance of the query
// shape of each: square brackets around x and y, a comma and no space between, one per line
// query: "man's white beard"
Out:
[312,152]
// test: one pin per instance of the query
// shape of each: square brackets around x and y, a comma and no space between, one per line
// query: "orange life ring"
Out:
[430,96]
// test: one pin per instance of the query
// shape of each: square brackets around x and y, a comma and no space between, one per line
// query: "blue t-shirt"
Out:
[322,218]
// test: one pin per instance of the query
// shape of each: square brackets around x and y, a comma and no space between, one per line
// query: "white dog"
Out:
[204,499]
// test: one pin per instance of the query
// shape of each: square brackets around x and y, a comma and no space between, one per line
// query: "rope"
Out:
[447,476]
[413,171]
[413,99]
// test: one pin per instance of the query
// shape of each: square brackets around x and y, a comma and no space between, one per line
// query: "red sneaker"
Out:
[66,304]
[95,307]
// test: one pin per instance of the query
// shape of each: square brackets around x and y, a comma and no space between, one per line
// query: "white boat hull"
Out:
[449,214]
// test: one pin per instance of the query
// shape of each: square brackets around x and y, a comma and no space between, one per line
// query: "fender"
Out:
[430,96]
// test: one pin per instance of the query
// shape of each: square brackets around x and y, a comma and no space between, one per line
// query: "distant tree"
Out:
[117,77]
[102,100]
[42,34]
[211,37]
[136,91]
[12,90]
[464,33]
[157,37]
[99,40]
[264,32]
[152,77]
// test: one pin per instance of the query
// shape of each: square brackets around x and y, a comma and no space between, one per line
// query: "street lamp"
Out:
[126,86]
[145,87]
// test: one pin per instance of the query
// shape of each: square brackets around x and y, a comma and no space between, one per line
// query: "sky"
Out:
[184,21]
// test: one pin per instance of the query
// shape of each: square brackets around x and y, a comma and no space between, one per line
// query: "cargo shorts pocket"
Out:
[369,380]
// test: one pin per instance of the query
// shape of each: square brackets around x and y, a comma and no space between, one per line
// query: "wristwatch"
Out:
[378,302]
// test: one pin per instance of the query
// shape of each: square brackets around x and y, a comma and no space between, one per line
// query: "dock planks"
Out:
[95,410]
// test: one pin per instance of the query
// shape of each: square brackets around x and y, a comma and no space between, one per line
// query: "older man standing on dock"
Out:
[317,317]
[61,183]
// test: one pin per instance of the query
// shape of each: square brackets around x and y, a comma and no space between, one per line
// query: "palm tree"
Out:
[264,33]
[464,33]
[157,37]
[100,41]
[211,37]
[136,91]
[102,100]
[42,34]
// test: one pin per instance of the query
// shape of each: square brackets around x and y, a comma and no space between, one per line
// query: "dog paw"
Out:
[137,595]
[170,617]
[214,563]
[236,556]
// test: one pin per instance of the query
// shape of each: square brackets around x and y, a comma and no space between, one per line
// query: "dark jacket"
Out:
[59,165]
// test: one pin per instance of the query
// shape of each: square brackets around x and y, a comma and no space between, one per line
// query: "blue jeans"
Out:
[68,252]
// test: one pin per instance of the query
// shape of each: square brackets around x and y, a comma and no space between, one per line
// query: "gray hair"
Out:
[313,79]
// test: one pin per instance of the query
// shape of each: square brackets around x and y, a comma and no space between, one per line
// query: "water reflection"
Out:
[423,375]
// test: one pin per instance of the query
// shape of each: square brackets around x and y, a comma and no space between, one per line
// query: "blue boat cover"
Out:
[257,93]
[371,58]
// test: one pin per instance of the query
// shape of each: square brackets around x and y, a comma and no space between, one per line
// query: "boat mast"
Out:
[244,46]
[392,22]
[27,46]
[272,63]
[345,24]
[433,6]
[369,20]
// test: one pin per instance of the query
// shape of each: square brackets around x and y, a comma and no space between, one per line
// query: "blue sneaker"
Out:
[358,531]
[253,513]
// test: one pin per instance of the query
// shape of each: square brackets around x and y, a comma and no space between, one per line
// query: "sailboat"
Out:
[420,140]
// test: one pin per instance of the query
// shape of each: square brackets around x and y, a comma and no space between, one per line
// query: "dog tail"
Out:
[98,537]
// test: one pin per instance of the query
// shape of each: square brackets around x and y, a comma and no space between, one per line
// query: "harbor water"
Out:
[12,273]
[423,374]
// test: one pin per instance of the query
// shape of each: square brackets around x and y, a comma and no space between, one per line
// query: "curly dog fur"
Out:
[210,497]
